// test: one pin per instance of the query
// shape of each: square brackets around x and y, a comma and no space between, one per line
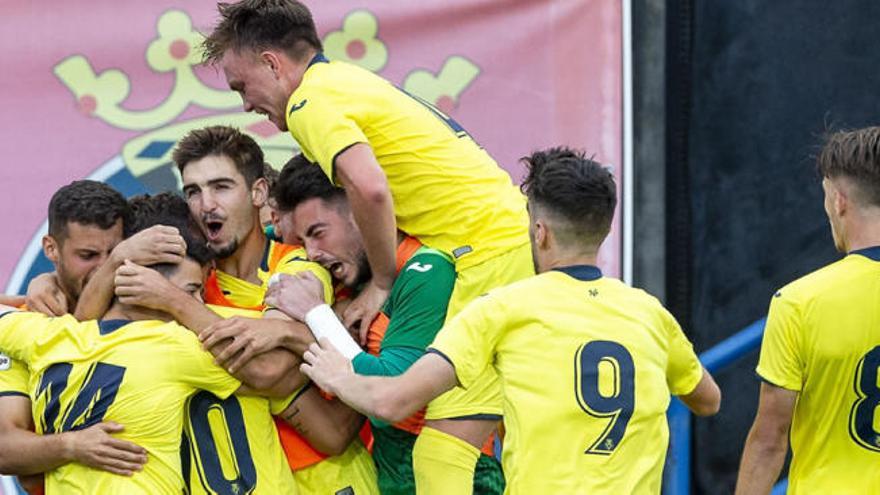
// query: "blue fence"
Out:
[677,480]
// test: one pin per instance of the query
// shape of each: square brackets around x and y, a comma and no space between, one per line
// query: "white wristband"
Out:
[324,324]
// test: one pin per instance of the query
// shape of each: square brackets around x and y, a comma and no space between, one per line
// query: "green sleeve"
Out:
[417,305]
[390,362]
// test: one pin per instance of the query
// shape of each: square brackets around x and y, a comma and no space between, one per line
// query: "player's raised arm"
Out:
[366,188]
[154,245]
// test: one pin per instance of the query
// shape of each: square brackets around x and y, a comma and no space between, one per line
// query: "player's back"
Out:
[138,374]
[828,324]
[448,191]
[587,367]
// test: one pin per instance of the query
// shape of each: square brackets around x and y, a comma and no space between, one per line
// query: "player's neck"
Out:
[864,232]
[558,259]
[119,311]
[245,262]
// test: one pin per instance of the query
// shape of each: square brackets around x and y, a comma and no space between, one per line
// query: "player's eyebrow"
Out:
[313,227]
[194,287]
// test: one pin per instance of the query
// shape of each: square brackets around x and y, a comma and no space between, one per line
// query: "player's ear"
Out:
[840,200]
[542,234]
[51,248]
[259,192]
[272,61]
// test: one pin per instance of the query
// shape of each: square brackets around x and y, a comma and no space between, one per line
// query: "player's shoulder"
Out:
[288,258]
[428,261]
[840,274]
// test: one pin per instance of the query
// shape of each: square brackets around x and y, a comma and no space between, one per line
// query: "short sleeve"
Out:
[20,331]
[683,370]
[13,377]
[780,362]
[419,300]
[296,262]
[197,368]
[321,127]
[469,339]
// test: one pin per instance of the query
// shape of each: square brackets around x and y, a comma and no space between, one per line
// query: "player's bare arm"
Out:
[11,300]
[767,443]
[44,295]
[328,425]
[157,244]
[27,453]
[390,399]
[366,188]
[273,372]
[705,400]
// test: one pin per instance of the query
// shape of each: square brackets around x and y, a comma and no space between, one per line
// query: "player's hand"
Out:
[96,448]
[359,315]
[157,244]
[44,295]
[326,366]
[295,295]
[247,338]
[141,286]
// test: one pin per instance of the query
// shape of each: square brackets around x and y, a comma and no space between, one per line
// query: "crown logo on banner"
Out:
[177,49]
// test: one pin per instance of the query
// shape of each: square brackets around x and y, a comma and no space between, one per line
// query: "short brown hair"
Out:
[260,24]
[856,156]
[573,188]
[86,202]
[225,141]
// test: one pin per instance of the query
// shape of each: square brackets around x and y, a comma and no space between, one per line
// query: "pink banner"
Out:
[103,89]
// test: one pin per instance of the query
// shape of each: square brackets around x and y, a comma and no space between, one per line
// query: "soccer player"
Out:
[379,142]
[131,367]
[587,363]
[222,172]
[409,320]
[85,226]
[820,358]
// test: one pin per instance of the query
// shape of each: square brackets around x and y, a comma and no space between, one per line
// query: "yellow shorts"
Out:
[351,473]
[484,396]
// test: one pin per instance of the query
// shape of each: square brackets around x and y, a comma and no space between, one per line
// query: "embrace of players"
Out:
[405,301]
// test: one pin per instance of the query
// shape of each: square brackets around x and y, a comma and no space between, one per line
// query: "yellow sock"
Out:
[443,464]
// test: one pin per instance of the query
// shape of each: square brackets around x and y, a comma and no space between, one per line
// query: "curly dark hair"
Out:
[86,202]
[260,24]
[169,209]
[302,180]
[220,140]
[855,155]
[573,188]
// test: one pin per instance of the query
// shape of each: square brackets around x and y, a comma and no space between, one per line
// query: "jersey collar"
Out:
[106,327]
[584,273]
[872,253]
[319,58]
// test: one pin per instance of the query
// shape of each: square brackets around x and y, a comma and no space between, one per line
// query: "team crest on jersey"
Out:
[143,164]
[5,362]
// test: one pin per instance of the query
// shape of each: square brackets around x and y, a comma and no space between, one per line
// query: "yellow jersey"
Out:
[231,445]
[448,192]
[822,340]
[226,290]
[597,359]
[138,374]
[13,377]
